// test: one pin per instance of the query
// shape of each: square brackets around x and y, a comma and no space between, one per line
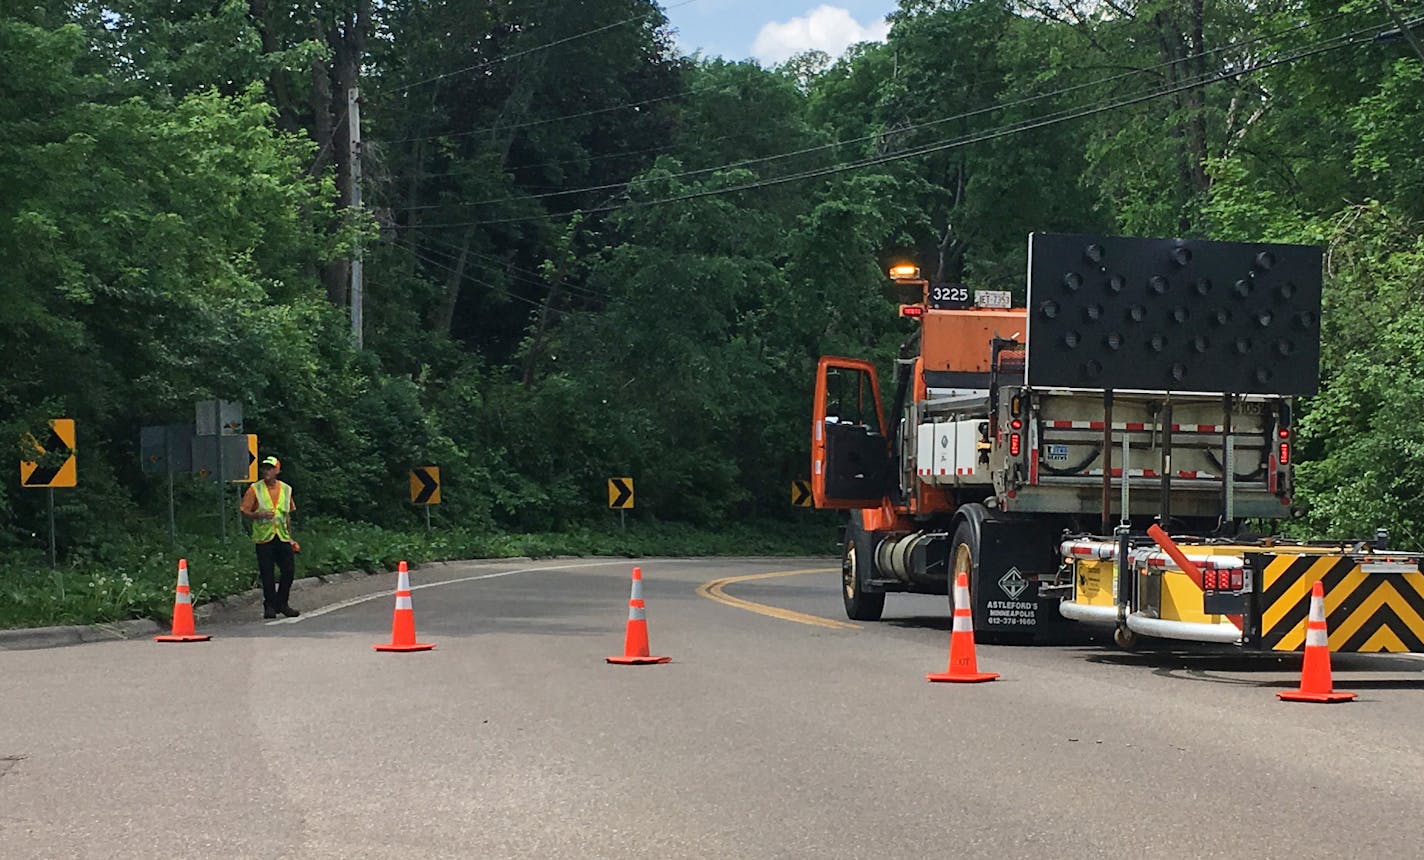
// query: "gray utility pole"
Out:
[1404,29]
[353,123]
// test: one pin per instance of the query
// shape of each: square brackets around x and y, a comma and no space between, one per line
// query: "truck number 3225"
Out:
[949,295]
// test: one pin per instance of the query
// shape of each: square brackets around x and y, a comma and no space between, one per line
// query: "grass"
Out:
[135,579]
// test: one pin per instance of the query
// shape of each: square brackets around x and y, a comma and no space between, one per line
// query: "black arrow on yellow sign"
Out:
[425,485]
[801,494]
[58,443]
[251,476]
[620,494]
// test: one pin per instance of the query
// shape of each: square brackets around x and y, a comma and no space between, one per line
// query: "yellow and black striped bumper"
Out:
[1365,610]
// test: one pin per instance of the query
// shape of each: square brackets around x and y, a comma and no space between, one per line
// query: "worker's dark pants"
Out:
[275,553]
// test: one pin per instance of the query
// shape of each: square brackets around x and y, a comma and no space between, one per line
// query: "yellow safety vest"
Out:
[264,530]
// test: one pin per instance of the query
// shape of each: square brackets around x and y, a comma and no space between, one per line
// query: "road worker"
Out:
[268,505]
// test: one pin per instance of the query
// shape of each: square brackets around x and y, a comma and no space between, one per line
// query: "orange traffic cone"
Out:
[1315,682]
[635,640]
[403,622]
[963,668]
[183,630]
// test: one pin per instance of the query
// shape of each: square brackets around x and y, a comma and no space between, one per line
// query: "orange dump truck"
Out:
[1146,381]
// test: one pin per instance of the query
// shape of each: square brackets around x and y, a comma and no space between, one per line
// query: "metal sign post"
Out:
[61,439]
[219,419]
[167,449]
[53,555]
[222,488]
[173,518]
[620,498]
[1229,467]
[1126,470]
[425,489]
[1107,461]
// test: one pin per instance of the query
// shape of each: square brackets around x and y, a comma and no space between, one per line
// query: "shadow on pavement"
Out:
[1221,666]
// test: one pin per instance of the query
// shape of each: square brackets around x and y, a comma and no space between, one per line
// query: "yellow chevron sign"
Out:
[620,494]
[60,440]
[425,485]
[1365,610]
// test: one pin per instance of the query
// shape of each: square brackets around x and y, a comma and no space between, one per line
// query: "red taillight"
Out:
[912,310]
[1015,444]
[1016,424]
[1223,580]
[1284,457]
[1284,434]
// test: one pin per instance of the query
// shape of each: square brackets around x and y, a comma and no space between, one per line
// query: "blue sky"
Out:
[772,30]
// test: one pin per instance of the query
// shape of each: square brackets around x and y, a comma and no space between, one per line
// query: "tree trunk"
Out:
[531,360]
[336,274]
[445,318]
[347,39]
[1196,129]
[277,89]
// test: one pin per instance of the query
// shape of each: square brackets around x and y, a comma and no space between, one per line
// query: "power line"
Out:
[915,127]
[533,122]
[564,41]
[590,317]
[524,275]
[431,261]
[661,149]
[1325,45]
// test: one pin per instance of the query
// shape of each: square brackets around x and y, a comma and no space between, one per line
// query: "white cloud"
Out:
[826,28]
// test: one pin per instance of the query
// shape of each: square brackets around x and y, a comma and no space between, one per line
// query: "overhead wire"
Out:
[1323,46]
[546,121]
[660,149]
[587,316]
[656,10]
[913,127]
[431,261]
[491,262]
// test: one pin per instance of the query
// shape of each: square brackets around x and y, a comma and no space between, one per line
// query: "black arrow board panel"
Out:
[1173,315]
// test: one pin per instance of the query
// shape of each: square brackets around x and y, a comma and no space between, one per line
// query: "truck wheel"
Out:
[964,558]
[857,565]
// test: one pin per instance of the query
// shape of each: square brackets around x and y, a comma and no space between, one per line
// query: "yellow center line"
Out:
[712,590]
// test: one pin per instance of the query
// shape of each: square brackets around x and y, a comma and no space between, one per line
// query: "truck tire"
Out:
[964,557]
[858,565]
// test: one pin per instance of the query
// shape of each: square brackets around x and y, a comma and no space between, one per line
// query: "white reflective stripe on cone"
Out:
[1315,637]
[183,597]
[637,590]
[403,584]
[183,576]
[963,623]
[637,613]
[404,602]
[1317,610]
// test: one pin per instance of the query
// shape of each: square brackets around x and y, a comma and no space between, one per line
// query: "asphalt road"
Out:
[770,735]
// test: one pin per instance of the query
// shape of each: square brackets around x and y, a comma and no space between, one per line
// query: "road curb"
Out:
[36,638]
[31,638]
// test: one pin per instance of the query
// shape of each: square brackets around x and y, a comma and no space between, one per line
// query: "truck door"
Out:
[850,453]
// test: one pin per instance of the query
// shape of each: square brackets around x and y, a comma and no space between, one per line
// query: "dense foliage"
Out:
[587,256]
